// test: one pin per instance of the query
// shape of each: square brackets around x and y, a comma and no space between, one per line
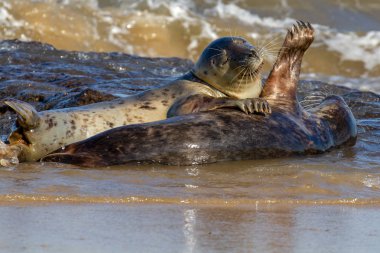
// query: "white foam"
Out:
[90,3]
[7,19]
[184,11]
[372,182]
[9,24]
[364,48]
[231,10]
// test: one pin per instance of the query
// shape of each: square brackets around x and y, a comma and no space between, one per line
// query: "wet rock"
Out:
[85,97]
[363,104]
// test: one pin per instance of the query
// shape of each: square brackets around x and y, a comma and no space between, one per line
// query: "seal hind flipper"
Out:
[28,117]
[283,80]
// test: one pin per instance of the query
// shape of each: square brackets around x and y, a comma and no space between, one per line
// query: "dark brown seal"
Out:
[225,134]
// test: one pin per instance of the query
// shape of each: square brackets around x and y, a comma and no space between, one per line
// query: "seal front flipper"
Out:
[201,103]
[252,105]
[28,117]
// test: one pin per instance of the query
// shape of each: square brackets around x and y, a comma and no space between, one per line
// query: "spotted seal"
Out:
[227,73]
[227,134]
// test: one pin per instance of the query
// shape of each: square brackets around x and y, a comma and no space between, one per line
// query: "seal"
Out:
[227,74]
[228,134]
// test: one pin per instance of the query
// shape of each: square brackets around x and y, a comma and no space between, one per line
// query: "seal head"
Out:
[231,65]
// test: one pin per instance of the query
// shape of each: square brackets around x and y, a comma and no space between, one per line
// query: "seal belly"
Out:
[63,127]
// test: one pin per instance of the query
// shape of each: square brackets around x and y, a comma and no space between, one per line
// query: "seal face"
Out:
[229,134]
[231,65]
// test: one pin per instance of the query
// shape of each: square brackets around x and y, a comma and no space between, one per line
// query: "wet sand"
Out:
[211,208]
[174,228]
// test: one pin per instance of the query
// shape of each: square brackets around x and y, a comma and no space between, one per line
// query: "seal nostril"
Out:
[252,53]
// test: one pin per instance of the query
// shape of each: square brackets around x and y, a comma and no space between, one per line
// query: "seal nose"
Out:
[252,53]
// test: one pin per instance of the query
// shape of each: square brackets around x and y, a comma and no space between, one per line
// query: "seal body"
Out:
[222,135]
[229,134]
[226,75]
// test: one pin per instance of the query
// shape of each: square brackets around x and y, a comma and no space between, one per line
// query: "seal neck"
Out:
[241,91]
[191,76]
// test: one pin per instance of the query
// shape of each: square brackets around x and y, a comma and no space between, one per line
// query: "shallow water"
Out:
[323,203]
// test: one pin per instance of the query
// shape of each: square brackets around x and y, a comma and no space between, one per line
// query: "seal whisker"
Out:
[238,74]
[243,78]
[247,78]
[216,55]
[254,64]
[308,101]
[315,96]
[272,42]
[269,50]
[217,49]
[252,76]
[242,65]
[311,106]
[269,44]
[238,83]
[269,54]
[273,50]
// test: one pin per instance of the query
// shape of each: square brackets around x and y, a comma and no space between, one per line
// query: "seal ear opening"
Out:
[28,117]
